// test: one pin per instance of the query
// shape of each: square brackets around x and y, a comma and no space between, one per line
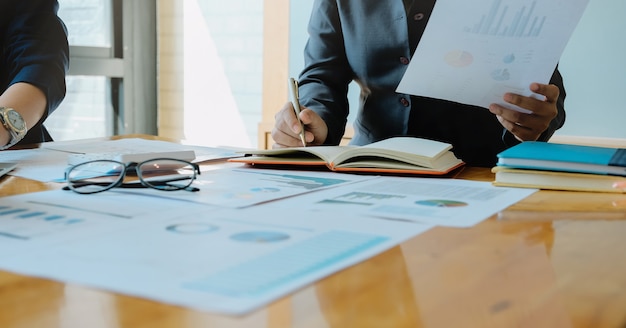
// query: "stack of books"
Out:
[544,165]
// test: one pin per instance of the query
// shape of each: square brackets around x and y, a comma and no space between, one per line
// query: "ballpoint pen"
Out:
[295,102]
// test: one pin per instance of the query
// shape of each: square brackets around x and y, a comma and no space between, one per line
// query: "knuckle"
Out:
[515,99]
[517,116]
[274,132]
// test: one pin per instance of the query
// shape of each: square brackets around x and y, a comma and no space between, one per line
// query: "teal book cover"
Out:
[565,157]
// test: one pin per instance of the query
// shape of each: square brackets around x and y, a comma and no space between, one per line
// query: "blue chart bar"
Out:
[359,198]
[265,273]
[24,223]
[304,182]
[499,22]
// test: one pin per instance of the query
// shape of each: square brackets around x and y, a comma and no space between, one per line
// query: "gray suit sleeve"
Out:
[326,75]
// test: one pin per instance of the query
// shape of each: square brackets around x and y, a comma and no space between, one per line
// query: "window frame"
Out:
[129,64]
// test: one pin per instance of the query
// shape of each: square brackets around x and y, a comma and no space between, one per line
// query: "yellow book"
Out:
[555,180]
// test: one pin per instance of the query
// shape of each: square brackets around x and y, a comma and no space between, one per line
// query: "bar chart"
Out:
[506,21]
[21,223]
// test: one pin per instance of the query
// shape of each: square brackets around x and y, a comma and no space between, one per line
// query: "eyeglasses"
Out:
[160,173]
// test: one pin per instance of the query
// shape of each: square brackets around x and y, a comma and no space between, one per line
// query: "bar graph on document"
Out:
[286,265]
[473,52]
[505,20]
[359,198]
[300,181]
[242,187]
[25,223]
[47,218]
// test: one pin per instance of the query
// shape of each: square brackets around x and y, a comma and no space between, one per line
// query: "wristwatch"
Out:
[14,123]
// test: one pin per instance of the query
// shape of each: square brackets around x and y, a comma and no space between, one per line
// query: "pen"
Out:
[295,101]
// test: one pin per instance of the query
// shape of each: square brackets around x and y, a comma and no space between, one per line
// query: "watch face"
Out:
[16,120]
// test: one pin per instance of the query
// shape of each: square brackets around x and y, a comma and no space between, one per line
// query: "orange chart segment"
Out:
[459,58]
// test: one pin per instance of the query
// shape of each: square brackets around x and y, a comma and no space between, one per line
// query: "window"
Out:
[210,71]
[106,36]
[207,69]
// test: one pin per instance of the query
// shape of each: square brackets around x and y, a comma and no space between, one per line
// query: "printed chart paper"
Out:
[442,202]
[473,52]
[232,259]
[242,187]
[183,253]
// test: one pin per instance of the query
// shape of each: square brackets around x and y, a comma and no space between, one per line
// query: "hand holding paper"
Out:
[475,52]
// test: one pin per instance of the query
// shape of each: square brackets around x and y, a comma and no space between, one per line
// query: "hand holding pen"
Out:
[295,102]
[290,121]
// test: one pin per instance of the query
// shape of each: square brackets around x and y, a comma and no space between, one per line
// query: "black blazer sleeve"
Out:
[35,50]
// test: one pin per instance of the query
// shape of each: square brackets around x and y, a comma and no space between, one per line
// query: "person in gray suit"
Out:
[371,42]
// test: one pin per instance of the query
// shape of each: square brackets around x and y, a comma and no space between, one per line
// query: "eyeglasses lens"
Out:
[95,176]
[167,174]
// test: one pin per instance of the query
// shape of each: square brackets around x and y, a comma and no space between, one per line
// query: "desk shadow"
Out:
[374,293]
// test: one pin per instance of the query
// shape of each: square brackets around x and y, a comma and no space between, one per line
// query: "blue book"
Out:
[565,158]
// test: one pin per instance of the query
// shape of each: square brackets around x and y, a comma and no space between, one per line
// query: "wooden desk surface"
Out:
[556,259]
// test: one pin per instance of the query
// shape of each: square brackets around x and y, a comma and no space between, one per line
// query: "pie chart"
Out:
[501,74]
[459,58]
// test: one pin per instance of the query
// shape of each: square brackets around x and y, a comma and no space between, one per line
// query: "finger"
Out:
[523,126]
[541,111]
[542,102]
[542,107]
[284,138]
[531,103]
[287,115]
[277,146]
[284,133]
[520,131]
[620,185]
[316,129]
[507,114]
[549,91]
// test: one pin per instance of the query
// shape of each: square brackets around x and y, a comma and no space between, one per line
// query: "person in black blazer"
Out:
[34,59]
[371,42]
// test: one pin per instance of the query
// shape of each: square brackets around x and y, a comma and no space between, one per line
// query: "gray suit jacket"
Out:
[371,42]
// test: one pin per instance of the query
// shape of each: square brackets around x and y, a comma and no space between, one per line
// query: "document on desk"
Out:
[473,52]
[239,186]
[189,254]
[137,145]
[436,201]
[49,162]
[248,237]
[37,164]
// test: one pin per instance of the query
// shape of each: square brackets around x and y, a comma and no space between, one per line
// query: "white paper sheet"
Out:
[238,186]
[221,260]
[48,163]
[443,202]
[37,164]
[473,52]
[138,145]
[175,248]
